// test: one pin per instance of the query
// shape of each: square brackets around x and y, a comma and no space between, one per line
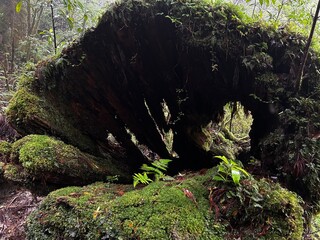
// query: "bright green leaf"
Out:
[235,174]
[223,158]
[242,170]
[69,7]
[70,22]
[18,6]
[85,17]
[222,169]
[219,178]
[141,178]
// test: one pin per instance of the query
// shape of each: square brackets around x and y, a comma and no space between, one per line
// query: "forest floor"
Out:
[16,203]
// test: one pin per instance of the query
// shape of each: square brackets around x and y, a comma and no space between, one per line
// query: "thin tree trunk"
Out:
[38,20]
[11,70]
[5,67]
[299,78]
[28,18]
[280,10]
[53,28]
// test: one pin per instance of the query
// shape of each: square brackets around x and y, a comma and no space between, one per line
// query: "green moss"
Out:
[284,205]
[161,211]
[24,106]
[315,227]
[260,209]
[158,211]
[222,146]
[14,173]
[47,159]
[74,213]
[179,209]
[31,113]
[5,150]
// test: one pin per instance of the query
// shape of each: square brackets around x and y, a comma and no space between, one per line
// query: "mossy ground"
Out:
[180,209]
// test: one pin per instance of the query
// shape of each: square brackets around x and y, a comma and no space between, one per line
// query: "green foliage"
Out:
[229,171]
[297,139]
[141,178]
[257,207]
[237,120]
[112,179]
[157,169]
[32,31]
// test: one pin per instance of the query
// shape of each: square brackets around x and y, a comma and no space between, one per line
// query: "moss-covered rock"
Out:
[180,209]
[5,150]
[48,160]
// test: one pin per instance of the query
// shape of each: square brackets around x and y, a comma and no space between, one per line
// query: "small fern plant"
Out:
[229,171]
[153,172]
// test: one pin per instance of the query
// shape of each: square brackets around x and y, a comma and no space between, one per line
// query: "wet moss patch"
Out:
[48,160]
[180,209]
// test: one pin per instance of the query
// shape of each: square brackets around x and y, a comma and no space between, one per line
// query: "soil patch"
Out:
[16,203]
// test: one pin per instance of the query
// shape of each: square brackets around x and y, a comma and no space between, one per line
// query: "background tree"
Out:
[27,33]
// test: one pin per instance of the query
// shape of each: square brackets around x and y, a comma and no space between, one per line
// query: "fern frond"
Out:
[141,178]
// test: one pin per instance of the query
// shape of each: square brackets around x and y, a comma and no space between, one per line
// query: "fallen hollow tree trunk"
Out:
[192,58]
[118,77]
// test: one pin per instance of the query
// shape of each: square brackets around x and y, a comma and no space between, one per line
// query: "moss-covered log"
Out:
[192,207]
[188,58]
[48,160]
